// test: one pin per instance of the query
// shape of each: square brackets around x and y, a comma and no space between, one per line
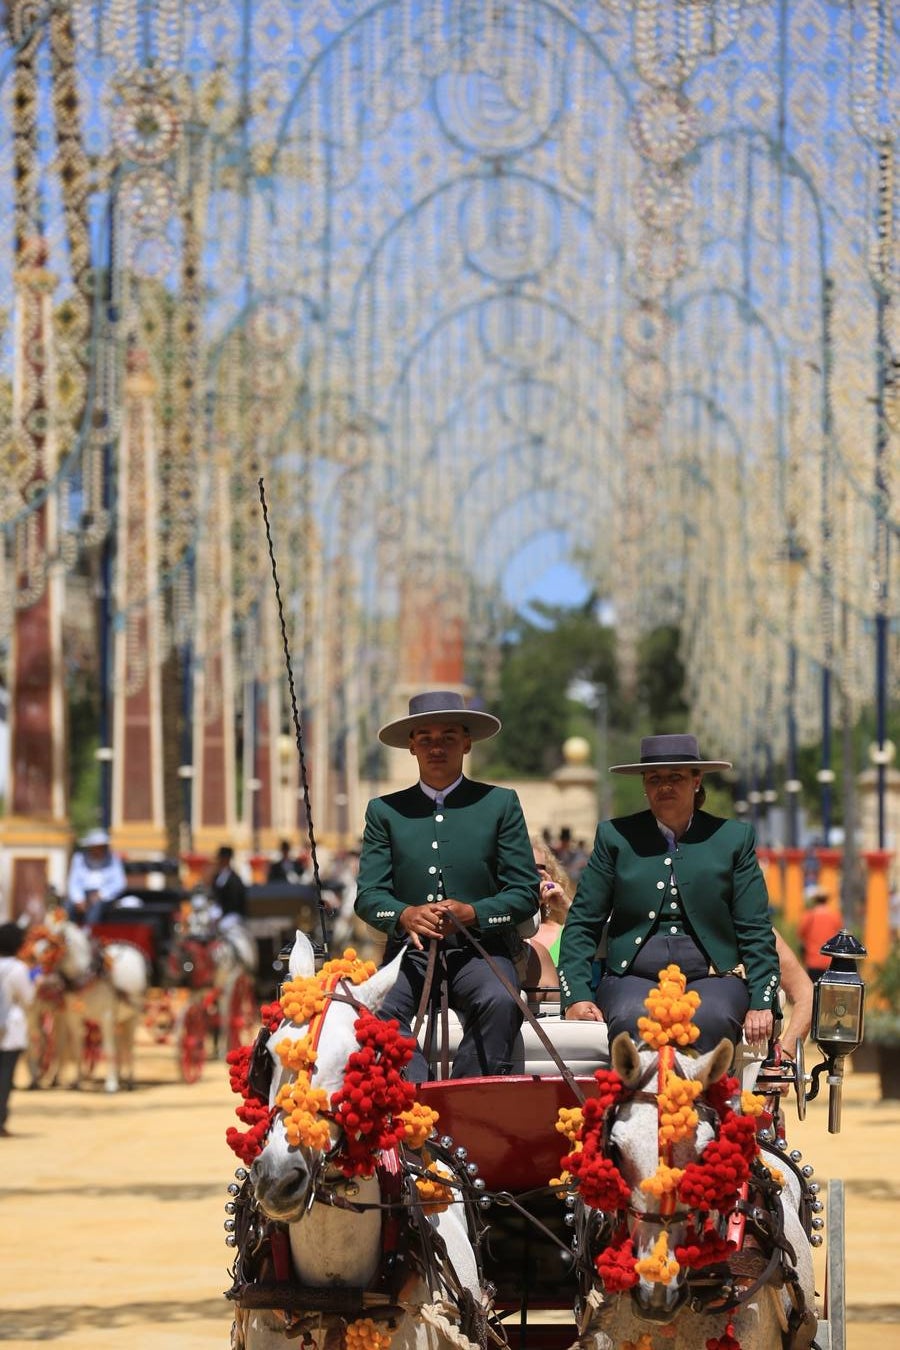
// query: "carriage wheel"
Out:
[192,1042]
[242,1014]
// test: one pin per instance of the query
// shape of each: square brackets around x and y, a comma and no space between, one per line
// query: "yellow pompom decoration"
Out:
[302,1104]
[564,1183]
[643,1342]
[434,1194]
[296,1055]
[363,1334]
[657,1268]
[348,967]
[671,1011]
[752,1104]
[677,1117]
[774,1172]
[418,1122]
[663,1182]
[304,997]
[569,1122]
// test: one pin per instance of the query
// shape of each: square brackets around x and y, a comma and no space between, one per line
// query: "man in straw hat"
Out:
[678,886]
[96,876]
[449,846]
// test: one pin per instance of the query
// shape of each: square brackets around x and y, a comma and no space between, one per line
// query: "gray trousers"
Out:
[489,1015]
[724,999]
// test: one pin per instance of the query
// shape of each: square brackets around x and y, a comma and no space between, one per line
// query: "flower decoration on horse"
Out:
[664,1213]
[374,1110]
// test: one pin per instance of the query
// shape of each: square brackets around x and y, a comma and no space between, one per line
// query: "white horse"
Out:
[769,1282]
[335,1225]
[105,986]
[222,956]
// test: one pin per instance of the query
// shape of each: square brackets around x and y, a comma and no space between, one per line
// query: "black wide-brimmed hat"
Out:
[439,705]
[669,752]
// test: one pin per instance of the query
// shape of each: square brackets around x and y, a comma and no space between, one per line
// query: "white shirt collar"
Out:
[443,793]
[670,834]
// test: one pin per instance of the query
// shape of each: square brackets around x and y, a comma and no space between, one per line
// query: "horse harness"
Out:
[263,1276]
[757,1216]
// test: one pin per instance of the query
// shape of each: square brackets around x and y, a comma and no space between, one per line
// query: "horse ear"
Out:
[303,958]
[373,991]
[715,1063]
[625,1059]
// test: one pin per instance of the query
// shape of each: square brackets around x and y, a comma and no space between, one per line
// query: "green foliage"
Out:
[542,659]
[660,679]
[84,768]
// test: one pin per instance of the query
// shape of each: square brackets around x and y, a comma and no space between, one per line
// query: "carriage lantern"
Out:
[837,1020]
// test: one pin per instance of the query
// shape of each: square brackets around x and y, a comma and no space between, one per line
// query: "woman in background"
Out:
[540,979]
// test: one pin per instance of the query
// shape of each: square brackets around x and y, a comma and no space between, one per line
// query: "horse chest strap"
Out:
[281,1254]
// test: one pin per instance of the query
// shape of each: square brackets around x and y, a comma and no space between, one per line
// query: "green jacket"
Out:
[478,842]
[723,894]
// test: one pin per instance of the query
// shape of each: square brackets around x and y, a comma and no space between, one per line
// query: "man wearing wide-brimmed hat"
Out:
[96,876]
[677,886]
[449,846]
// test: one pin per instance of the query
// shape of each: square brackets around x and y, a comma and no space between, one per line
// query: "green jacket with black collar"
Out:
[627,879]
[477,844]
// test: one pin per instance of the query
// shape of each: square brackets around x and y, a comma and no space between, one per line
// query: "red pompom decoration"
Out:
[615,1266]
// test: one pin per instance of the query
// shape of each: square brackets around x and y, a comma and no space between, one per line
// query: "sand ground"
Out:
[112,1212]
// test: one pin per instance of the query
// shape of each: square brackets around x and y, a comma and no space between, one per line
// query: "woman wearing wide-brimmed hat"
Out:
[677,886]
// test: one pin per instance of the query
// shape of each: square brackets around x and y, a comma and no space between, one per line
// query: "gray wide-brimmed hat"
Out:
[94,839]
[669,752]
[439,705]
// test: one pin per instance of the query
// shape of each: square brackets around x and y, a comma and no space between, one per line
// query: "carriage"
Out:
[497,1149]
[206,978]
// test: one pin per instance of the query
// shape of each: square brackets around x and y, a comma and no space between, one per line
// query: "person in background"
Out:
[284,868]
[679,887]
[16,995]
[227,888]
[446,852]
[539,978]
[821,921]
[96,877]
[798,989]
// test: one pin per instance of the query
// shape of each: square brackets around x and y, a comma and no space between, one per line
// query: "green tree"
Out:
[543,659]
[660,678]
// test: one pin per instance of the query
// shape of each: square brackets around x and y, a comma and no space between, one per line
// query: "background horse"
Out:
[336,1226]
[105,986]
[220,957]
[772,1276]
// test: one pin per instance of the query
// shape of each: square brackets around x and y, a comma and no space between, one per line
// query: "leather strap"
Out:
[528,1015]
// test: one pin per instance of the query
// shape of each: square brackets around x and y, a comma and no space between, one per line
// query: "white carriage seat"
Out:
[582,1046]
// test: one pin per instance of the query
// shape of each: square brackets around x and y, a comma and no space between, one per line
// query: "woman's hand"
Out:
[552,893]
[583,1012]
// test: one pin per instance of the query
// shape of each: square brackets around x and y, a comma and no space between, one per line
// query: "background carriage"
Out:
[206,978]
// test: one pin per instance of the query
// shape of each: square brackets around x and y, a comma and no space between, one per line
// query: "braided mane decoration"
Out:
[709,1186]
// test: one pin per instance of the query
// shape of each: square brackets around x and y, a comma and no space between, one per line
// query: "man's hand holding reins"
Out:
[434,920]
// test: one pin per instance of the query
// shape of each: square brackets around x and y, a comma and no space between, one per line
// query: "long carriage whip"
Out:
[295,713]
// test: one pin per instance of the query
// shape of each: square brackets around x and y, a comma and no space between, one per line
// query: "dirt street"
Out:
[112,1211]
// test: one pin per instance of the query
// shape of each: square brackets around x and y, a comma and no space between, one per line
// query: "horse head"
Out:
[657,1220]
[284,1172]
